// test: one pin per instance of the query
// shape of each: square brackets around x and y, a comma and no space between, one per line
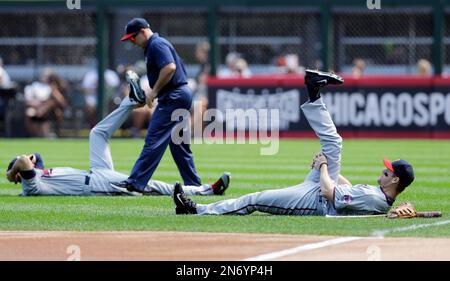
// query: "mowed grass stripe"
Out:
[251,172]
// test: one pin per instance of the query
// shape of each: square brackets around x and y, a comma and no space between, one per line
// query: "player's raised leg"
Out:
[320,119]
[99,152]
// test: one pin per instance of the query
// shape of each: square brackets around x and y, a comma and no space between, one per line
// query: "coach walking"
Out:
[167,79]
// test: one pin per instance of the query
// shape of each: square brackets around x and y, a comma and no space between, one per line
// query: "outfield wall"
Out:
[381,106]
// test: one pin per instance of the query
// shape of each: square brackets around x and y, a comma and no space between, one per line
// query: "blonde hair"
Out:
[424,67]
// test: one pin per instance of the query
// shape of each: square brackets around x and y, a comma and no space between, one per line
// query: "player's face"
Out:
[386,177]
[136,39]
[133,38]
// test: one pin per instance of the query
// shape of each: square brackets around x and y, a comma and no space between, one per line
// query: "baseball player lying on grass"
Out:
[36,180]
[324,191]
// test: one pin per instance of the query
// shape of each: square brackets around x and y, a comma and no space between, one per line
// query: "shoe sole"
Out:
[132,79]
[179,210]
[226,182]
[125,191]
[333,78]
[226,179]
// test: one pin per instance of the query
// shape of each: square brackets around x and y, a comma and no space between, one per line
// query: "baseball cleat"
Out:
[136,93]
[315,80]
[125,186]
[125,191]
[221,184]
[184,205]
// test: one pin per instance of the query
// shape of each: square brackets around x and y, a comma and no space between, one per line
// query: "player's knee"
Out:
[93,132]
[338,139]
[337,143]
[96,133]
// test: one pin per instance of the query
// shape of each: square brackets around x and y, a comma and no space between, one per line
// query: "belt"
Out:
[87,179]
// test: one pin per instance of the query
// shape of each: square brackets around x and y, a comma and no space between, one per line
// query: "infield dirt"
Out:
[184,246]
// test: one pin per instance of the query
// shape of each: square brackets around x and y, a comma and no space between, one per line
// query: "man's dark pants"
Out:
[159,136]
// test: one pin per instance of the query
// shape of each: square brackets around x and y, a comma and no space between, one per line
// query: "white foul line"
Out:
[303,248]
[336,241]
[382,233]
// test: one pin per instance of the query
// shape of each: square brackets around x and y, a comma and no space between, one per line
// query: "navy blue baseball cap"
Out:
[402,169]
[133,27]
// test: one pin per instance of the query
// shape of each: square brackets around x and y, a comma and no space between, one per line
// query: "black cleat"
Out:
[315,80]
[125,187]
[221,184]
[136,92]
[184,205]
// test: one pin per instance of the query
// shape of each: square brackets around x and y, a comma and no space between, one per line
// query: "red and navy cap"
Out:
[133,27]
[401,169]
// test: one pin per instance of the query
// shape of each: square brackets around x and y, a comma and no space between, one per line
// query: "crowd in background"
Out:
[48,101]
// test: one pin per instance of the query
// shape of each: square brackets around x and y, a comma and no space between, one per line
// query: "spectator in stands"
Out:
[45,104]
[199,85]
[89,86]
[236,67]
[5,80]
[230,62]
[242,69]
[424,68]
[358,67]
[290,64]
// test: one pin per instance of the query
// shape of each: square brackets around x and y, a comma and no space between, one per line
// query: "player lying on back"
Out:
[324,190]
[30,171]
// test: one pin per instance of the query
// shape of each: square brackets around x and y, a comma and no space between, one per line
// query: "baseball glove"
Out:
[403,211]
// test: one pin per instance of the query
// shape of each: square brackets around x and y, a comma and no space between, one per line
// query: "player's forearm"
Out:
[326,184]
[164,77]
[343,180]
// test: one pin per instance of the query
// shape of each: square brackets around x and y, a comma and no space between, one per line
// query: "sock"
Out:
[313,93]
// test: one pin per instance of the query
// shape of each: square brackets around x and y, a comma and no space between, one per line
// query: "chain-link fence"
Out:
[184,28]
[270,40]
[264,38]
[40,47]
[446,41]
[390,41]
[254,40]
[36,38]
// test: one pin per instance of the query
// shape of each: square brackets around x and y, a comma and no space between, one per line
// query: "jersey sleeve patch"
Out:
[347,199]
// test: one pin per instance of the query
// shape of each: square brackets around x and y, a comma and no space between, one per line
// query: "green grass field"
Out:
[251,172]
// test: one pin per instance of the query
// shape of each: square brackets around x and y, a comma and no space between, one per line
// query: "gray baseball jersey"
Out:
[70,181]
[306,198]
[74,182]
[360,199]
